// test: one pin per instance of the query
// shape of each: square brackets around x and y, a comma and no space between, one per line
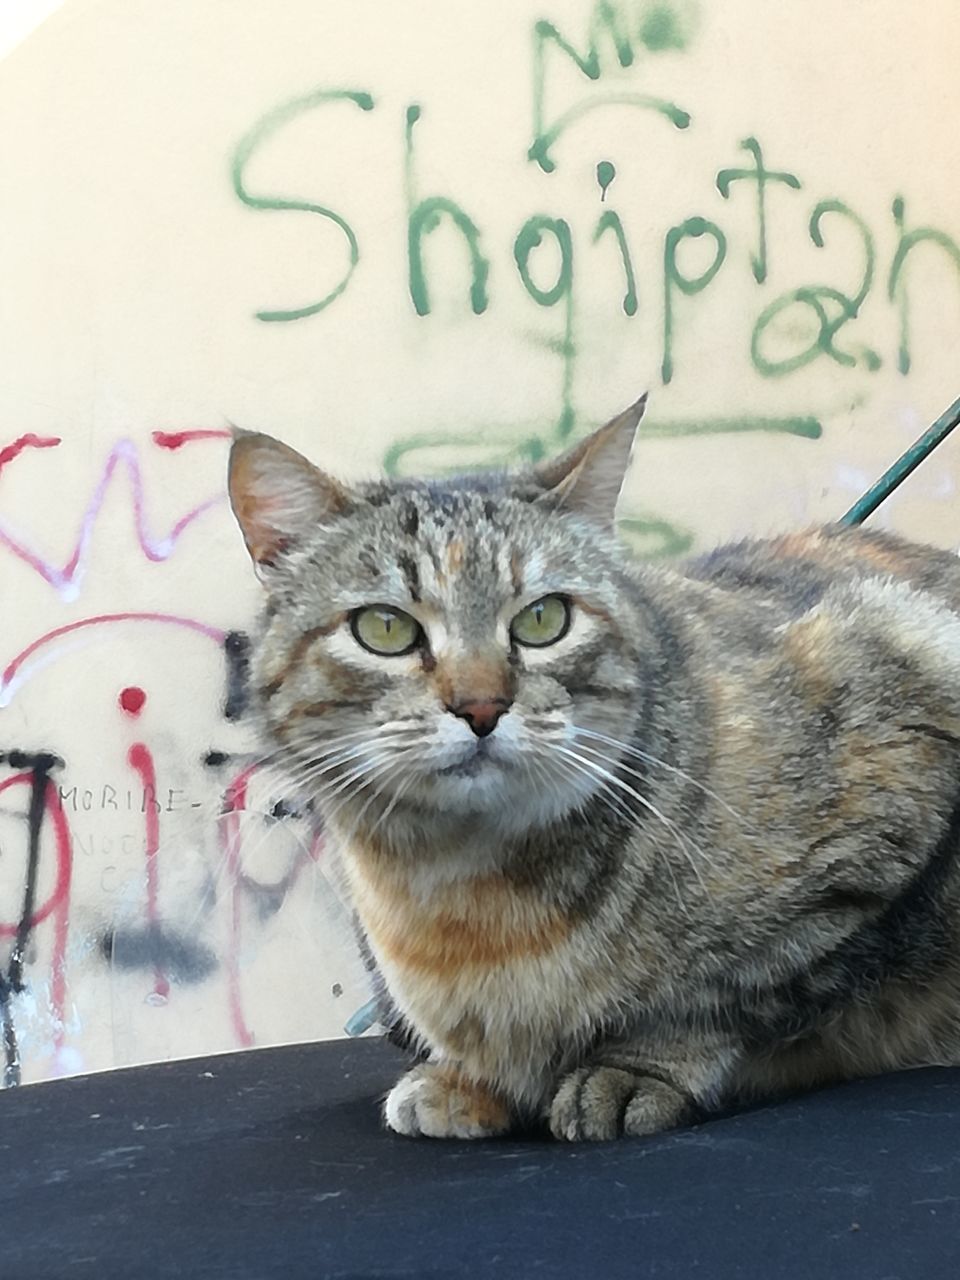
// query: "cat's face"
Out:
[448,646]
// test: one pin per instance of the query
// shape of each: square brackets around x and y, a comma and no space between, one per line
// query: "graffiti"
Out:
[897,287]
[160,950]
[67,578]
[660,28]
[762,176]
[28,441]
[151,939]
[261,132]
[701,253]
[107,798]
[33,771]
[25,665]
[177,439]
[425,215]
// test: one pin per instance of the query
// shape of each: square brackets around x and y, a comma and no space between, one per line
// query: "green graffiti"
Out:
[606,24]
[662,28]
[489,446]
[606,172]
[486,447]
[264,129]
[653,538]
[530,237]
[816,297]
[807,428]
[727,177]
[610,221]
[896,284]
[648,534]
[673,278]
[603,19]
[425,216]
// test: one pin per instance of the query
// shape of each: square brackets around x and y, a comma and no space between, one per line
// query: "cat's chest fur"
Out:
[489,971]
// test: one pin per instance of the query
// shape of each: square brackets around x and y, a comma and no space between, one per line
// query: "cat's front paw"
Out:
[594,1104]
[437,1102]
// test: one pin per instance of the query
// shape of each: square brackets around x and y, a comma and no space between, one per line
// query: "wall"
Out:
[403,237]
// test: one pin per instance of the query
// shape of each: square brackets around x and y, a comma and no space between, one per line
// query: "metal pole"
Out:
[896,474]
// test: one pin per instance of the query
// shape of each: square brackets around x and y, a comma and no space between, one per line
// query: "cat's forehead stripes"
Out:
[443,547]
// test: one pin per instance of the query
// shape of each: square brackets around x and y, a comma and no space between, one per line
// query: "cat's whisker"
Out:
[319,769]
[619,807]
[333,813]
[636,773]
[647,758]
[277,764]
[669,825]
[317,766]
[400,791]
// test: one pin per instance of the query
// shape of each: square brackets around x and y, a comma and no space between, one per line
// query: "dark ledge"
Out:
[272,1163]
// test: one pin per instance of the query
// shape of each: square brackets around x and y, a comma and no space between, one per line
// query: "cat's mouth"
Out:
[475,762]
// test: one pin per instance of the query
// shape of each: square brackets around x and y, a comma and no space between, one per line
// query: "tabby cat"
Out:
[628,844]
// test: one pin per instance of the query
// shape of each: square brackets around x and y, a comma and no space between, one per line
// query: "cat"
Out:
[628,844]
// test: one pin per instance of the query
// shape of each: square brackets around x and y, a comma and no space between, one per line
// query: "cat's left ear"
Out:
[587,479]
[278,496]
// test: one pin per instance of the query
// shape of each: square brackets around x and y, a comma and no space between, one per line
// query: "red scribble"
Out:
[235,801]
[131,700]
[9,683]
[177,439]
[28,441]
[58,902]
[141,761]
[66,578]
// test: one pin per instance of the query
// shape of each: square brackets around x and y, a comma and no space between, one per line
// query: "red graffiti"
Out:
[131,700]
[28,441]
[141,761]
[177,439]
[13,677]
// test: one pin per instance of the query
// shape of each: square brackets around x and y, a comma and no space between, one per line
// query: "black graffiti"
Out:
[39,765]
[153,947]
[236,648]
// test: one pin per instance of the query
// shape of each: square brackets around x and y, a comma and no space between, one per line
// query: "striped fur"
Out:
[710,851]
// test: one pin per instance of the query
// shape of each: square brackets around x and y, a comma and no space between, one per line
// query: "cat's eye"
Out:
[388,632]
[544,622]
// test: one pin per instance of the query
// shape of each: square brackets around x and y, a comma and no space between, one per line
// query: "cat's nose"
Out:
[482,716]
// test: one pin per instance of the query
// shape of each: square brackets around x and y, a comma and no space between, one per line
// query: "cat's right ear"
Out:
[277,496]
[587,479]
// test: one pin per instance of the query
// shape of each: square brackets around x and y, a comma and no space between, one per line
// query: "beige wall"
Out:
[182,181]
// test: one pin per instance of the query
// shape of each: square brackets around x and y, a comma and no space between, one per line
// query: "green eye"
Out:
[385,631]
[544,622]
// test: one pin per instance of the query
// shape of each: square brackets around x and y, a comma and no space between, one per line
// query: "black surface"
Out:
[273,1164]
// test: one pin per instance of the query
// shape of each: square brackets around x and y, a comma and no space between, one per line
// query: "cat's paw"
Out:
[594,1104]
[437,1102]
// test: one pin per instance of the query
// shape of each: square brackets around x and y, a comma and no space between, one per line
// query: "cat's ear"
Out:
[587,479]
[277,496]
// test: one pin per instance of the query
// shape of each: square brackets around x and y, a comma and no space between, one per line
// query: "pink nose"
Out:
[482,717]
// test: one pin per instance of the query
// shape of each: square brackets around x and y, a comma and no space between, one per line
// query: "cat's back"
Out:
[796,571]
